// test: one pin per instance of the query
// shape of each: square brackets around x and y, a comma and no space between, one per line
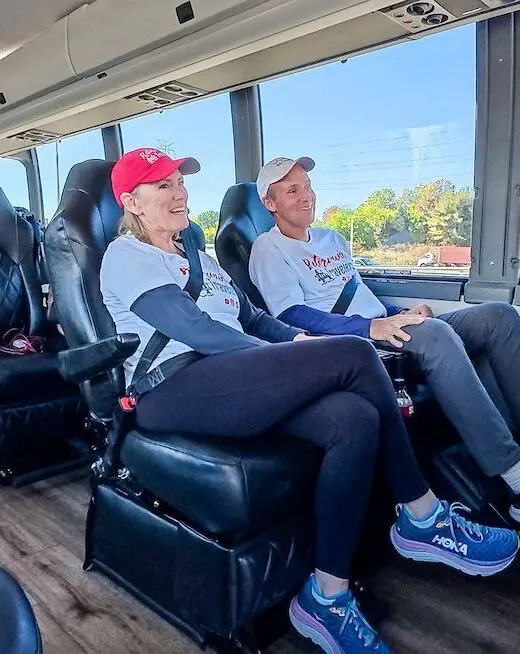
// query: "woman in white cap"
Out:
[231,370]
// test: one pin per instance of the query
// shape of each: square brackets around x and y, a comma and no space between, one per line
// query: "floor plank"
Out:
[95,613]
[434,610]
[55,639]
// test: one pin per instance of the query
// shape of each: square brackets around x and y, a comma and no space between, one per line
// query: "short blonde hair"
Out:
[130,222]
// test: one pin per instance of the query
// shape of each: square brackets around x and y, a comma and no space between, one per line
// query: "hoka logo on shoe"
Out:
[450,544]
[338,611]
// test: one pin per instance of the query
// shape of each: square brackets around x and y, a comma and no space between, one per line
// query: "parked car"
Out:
[364,261]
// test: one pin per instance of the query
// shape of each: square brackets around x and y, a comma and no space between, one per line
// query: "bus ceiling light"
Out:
[35,137]
[420,9]
[435,19]
[423,15]
[184,12]
[420,16]
[165,95]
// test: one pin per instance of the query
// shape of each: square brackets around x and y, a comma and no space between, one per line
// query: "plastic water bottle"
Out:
[403,399]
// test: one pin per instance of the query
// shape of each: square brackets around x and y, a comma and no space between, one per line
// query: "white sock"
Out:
[425,523]
[512,478]
[327,585]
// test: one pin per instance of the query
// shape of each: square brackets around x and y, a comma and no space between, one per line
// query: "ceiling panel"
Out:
[22,20]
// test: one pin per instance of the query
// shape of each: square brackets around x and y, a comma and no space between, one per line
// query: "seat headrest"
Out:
[88,185]
[21,302]
[9,224]
[243,218]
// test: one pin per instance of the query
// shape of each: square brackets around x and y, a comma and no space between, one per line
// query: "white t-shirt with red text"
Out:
[289,272]
[131,268]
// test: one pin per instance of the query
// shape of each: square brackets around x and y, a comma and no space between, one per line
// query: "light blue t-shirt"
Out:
[131,267]
[289,272]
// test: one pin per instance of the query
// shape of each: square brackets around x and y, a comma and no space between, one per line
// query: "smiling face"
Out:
[162,207]
[292,200]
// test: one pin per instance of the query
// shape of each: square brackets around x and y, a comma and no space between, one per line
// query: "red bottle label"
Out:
[407,411]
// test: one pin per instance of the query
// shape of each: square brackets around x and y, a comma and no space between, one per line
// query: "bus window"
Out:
[56,159]
[13,182]
[200,129]
[393,135]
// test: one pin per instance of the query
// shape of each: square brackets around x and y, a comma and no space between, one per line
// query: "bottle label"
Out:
[407,411]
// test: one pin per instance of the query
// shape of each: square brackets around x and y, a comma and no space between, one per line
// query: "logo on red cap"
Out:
[151,155]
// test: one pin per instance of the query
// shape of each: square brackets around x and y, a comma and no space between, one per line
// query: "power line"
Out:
[394,164]
[385,169]
[411,148]
[352,185]
[396,138]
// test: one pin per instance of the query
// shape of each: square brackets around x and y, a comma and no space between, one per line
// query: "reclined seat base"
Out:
[450,468]
[205,586]
[43,438]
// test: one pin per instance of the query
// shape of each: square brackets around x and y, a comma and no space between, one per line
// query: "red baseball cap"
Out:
[146,165]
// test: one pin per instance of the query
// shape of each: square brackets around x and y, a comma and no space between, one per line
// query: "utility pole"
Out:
[57,173]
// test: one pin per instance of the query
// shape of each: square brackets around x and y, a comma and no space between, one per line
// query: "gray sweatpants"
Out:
[443,346]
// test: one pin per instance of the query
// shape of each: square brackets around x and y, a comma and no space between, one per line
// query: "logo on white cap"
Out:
[281,160]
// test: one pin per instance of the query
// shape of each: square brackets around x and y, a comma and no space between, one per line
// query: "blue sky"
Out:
[392,118]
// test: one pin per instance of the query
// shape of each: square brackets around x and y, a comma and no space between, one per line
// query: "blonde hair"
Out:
[130,222]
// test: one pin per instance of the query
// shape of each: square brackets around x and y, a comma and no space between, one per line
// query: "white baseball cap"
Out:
[277,169]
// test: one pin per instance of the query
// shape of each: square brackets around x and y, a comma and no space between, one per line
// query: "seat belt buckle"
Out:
[127,403]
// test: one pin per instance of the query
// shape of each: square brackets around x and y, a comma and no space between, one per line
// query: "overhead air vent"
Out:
[165,95]
[419,16]
[35,136]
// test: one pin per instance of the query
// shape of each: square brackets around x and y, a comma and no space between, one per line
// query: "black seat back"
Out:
[21,303]
[19,631]
[243,217]
[75,241]
[38,238]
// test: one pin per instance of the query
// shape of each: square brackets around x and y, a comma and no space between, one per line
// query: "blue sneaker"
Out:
[335,624]
[451,539]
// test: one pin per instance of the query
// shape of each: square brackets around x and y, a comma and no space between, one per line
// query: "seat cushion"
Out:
[19,633]
[224,486]
[32,377]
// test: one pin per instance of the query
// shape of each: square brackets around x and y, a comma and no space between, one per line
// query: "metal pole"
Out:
[57,173]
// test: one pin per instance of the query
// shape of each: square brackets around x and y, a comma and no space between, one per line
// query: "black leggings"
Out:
[333,392]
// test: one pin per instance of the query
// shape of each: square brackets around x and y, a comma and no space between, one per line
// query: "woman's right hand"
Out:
[390,329]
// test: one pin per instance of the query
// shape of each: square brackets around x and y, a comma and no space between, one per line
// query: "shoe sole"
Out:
[426,553]
[310,628]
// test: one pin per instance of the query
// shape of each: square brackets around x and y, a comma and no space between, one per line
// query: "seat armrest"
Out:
[81,363]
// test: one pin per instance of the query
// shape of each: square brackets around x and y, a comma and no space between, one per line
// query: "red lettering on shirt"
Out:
[323,262]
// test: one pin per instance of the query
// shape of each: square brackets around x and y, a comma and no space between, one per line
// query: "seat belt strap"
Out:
[158,340]
[346,296]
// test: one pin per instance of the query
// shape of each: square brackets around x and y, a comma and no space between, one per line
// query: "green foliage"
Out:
[435,213]
[450,222]
[207,219]
[210,233]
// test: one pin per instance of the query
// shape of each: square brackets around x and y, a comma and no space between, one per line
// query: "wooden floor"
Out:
[434,610]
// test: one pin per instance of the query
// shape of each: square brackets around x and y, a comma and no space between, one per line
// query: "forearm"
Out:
[321,323]
[172,312]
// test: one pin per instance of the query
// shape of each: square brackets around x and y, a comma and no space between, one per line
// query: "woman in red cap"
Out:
[229,369]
